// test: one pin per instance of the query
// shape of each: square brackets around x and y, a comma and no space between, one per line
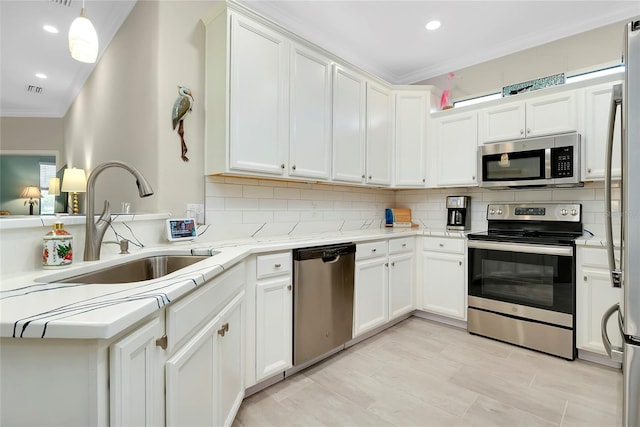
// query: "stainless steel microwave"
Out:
[550,161]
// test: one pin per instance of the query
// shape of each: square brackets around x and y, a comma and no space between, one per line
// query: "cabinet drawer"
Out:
[273,264]
[371,249]
[187,314]
[596,257]
[444,244]
[406,244]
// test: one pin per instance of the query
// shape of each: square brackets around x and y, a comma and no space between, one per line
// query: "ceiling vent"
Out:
[38,90]
[62,2]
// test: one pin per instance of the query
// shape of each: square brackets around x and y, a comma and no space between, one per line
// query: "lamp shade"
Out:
[30,192]
[54,186]
[83,39]
[74,181]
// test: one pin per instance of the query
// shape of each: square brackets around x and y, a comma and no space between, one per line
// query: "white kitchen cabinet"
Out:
[456,145]
[274,298]
[379,132]
[597,101]
[411,113]
[258,107]
[371,292]
[594,295]
[402,267]
[310,117]
[204,378]
[444,284]
[349,127]
[136,390]
[384,282]
[537,116]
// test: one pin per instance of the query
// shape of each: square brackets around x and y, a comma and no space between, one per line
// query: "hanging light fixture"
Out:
[83,39]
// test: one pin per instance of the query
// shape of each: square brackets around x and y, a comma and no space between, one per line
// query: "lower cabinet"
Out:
[204,383]
[594,295]
[444,283]
[384,282]
[136,388]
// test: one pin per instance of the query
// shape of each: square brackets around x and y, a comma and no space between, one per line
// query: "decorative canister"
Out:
[57,247]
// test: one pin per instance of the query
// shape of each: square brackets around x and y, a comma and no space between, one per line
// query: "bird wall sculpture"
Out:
[181,107]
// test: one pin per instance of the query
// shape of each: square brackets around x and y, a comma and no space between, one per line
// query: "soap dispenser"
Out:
[57,247]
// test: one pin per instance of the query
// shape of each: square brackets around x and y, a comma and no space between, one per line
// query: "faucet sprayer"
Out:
[95,231]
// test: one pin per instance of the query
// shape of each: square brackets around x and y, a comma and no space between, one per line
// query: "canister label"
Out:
[57,251]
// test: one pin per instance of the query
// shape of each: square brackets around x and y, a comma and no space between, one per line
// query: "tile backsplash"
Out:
[245,207]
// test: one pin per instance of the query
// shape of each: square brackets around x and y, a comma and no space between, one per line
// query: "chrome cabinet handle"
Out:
[277,265]
[424,180]
[362,177]
[521,131]
[373,250]
[459,262]
[441,245]
[404,245]
[162,342]
[393,264]
[386,264]
[293,167]
[289,287]
[223,329]
[282,166]
[369,176]
[528,130]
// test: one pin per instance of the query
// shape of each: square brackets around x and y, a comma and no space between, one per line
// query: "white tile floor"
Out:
[421,373]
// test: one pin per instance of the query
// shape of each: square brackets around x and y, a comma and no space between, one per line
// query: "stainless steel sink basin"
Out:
[151,267]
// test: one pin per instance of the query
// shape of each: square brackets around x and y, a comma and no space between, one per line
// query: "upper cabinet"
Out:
[411,113]
[349,131]
[379,134]
[538,116]
[596,133]
[310,116]
[455,140]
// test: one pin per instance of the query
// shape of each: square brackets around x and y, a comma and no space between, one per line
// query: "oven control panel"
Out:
[567,212]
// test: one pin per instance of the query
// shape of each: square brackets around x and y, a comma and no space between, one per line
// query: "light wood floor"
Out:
[422,373]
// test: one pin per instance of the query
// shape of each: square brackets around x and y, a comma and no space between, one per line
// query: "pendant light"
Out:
[83,39]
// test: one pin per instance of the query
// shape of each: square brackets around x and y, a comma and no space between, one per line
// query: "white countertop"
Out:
[33,307]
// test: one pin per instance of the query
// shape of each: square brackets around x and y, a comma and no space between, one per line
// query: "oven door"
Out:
[535,281]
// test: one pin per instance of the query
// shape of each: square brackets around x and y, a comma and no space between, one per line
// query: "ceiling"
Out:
[386,38]
[26,49]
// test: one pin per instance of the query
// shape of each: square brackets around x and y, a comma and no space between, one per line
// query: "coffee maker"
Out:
[458,212]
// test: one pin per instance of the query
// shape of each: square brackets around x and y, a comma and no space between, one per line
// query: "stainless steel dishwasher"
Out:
[322,300]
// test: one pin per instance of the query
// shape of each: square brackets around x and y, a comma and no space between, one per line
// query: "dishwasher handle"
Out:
[331,259]
[329,253]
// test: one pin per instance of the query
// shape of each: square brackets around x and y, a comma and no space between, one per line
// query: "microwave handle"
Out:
[616,100]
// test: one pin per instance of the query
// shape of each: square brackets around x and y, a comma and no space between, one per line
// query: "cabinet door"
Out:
[551,114]
[410,138]
[502,122]
[456,147]
[258,110]
[401,282]
[444,288]
[379,134]
[349,91]
[136,377]
[596,134]
[273,327]
[310,119]
[230,361]
[595,295]
[204,383]
[370,307]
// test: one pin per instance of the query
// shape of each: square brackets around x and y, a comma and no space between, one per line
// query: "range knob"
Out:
[499,211]
[574,212]
[492,211]
[564,212]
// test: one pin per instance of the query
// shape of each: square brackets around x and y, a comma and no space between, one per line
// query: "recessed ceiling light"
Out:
[433,25]
[41,75]
[50,29]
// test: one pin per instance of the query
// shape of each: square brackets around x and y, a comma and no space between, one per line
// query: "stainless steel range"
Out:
[522,276]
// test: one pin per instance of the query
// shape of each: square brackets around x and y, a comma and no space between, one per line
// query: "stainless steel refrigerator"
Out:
[626,99]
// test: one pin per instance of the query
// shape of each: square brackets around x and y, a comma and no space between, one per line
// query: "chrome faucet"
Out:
[95,230]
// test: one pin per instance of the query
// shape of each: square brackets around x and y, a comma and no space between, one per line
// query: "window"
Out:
[47,202]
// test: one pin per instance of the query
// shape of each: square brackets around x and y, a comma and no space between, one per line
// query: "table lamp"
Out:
[74,181]
[31,192]
[54,186]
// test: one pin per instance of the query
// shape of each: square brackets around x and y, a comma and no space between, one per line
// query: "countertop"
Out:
[31,306]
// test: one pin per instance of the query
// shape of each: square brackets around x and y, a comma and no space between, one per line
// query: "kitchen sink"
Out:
[151,267]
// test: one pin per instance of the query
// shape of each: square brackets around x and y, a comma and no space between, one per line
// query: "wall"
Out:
[16,173]
[585,51]
[123,112]
[37,134]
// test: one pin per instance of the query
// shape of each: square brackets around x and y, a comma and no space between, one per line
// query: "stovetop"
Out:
[536,223]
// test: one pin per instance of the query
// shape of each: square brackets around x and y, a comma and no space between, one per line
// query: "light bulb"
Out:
[83,40]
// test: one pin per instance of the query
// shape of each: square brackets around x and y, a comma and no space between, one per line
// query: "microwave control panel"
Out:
[562,162]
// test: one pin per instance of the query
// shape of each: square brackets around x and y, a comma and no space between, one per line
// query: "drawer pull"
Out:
[373,250]
[289,288]
[404,245]
[585,278]
[459,262]
[162,342]
[393,264]
[223,329]
[441,245]
[277,265]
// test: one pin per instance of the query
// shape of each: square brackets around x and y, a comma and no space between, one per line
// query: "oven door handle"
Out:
[521,247]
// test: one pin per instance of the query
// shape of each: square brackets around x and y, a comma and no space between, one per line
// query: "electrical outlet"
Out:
[196,211]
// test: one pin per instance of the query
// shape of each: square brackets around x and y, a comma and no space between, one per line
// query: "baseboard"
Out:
[598,358]
[441,319]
